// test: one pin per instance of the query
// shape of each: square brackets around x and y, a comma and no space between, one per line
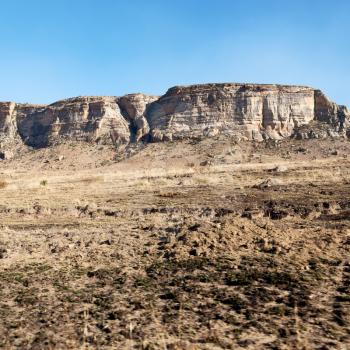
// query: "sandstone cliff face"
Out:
[134,108]
[246,111]
[253,112]
[97,119]
[8,124]
[82,118]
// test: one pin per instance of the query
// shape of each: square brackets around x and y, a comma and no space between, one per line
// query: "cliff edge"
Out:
[246,111]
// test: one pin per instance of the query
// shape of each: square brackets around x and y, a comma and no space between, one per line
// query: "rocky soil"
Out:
[195,244]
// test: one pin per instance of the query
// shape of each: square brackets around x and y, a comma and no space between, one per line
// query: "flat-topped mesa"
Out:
[246,111]
[249,111]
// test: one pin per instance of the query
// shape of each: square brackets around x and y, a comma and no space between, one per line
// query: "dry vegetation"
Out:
[191,245]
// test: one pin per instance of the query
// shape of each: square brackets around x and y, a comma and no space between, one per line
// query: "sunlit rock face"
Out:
[82,119]
[249,111]
[96,119]
[245,111]
[8,124]
[134,108]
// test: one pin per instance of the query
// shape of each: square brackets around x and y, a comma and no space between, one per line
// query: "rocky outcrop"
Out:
[329,112]
[83,118]
[134,109]
[96,119]
[246,111]
[8,124]
[331,120]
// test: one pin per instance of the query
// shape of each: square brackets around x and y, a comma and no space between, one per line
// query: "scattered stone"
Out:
[205,163]
[106,242]
[301,150]
[3,252]
[252,213]
[266,184]
[5,155]
[275,214]
[279,169]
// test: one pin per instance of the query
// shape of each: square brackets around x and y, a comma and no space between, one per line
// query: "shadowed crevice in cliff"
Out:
[35,129]
[133,108]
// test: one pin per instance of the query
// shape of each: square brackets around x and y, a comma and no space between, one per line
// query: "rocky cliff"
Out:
[249,111]
[246,111]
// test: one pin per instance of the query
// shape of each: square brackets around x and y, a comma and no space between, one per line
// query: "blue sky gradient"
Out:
[53,49]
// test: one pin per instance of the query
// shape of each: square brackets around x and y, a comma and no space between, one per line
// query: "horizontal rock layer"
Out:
[251,111]
[247,111]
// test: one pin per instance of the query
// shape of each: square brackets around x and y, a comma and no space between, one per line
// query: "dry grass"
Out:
[159,252]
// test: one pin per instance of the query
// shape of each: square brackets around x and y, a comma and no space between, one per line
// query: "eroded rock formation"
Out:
[250,111]
[8,124]
[246,111]
[134,108]
[82,118]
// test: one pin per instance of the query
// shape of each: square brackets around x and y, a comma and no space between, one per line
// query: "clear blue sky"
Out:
[52,49]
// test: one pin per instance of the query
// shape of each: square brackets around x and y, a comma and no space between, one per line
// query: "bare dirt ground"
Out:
[206,244]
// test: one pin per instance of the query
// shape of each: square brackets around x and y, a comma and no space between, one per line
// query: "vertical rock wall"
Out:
[246,111]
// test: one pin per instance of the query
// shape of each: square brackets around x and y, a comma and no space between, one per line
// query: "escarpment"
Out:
[249,111]
[246,111]
[93,119]
[81,118]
